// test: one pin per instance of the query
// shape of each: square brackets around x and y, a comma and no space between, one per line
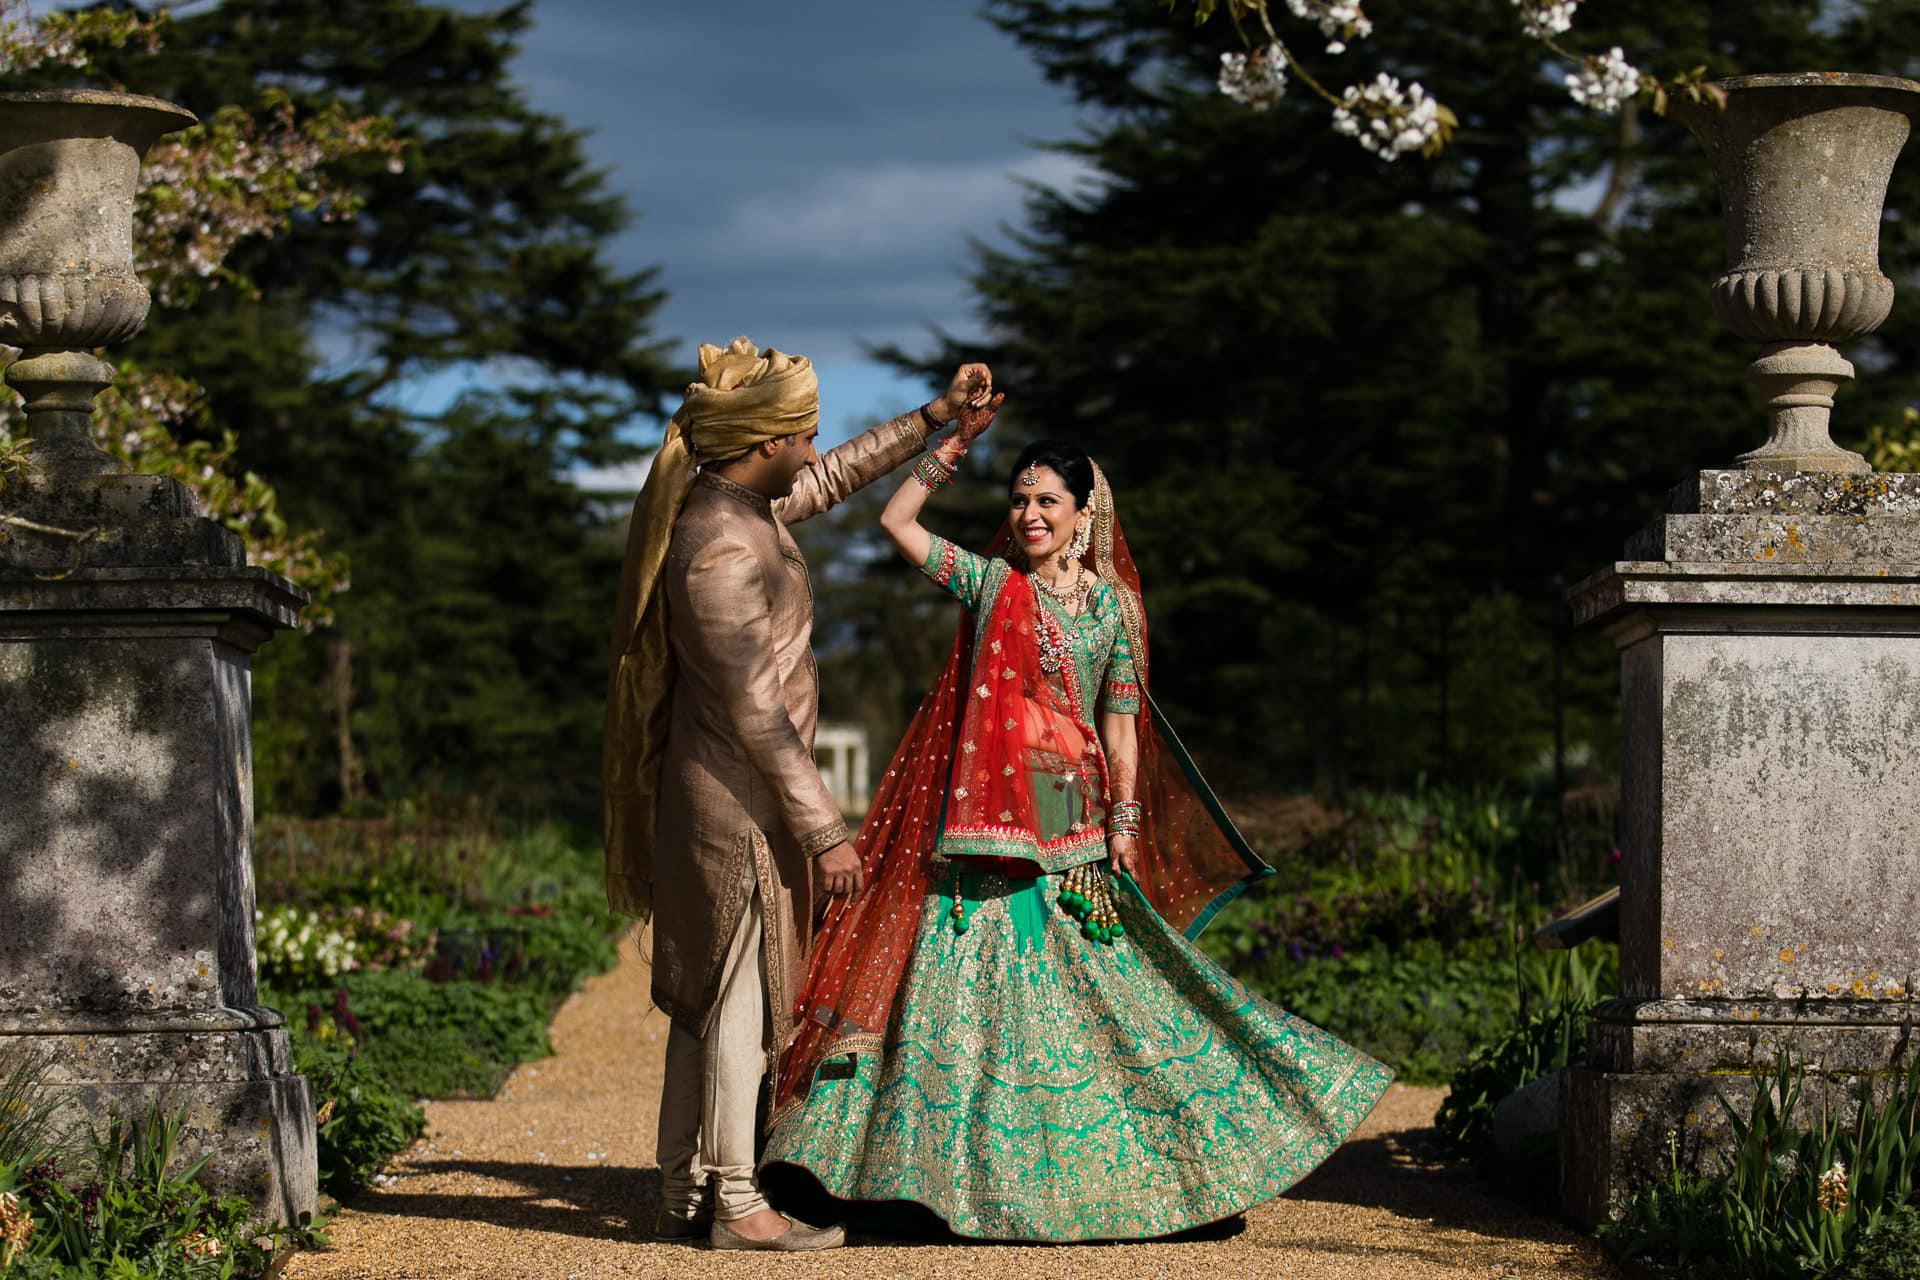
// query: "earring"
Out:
[1078,547]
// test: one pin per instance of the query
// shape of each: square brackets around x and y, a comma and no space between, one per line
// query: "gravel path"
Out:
[555,1179]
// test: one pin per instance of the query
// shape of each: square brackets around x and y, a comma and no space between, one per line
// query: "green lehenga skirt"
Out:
[1036,1085]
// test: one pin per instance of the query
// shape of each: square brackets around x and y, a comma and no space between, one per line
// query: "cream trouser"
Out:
[713,1088]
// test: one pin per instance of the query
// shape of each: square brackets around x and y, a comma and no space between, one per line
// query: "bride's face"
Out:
[1044,514]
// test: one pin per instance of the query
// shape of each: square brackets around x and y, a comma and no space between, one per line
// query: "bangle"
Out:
[927,418]
[932,473]
[1124,818]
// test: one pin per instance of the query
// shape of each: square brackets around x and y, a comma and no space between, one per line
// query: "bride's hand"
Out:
[976,418]
[1125,852]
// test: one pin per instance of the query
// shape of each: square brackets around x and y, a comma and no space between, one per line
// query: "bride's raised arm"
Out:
[972,389]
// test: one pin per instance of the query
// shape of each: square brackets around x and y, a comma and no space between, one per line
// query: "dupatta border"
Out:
[1257,868]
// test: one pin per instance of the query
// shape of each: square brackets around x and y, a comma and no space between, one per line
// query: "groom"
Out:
[718,824]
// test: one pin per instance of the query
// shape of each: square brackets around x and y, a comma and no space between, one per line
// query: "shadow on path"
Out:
[903,1224]
[597,1202]
[1407,1174]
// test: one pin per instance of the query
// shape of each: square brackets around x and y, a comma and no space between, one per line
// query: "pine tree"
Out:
[1367,422]
[470,651]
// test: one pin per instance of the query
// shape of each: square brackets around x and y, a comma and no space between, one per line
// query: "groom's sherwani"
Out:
[742,801]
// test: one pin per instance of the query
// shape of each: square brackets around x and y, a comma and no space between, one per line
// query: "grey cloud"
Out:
[817,168]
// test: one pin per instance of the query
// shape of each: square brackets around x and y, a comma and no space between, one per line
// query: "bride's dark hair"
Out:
[1068,461]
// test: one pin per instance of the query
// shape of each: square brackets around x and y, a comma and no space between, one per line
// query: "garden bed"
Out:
[419,960]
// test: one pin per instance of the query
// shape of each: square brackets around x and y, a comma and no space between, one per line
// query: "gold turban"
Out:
[744,397]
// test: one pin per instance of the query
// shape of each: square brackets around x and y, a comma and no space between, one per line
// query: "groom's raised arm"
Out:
[845,470]
[867,457]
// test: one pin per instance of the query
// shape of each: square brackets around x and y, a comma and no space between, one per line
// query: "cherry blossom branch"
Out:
[1383,117]
[1391,121]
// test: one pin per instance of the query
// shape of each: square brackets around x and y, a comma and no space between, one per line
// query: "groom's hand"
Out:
[972,385]
[839,870]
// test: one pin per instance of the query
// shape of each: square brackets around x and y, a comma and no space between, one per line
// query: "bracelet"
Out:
[1124,818]
[927,418]
[932,473]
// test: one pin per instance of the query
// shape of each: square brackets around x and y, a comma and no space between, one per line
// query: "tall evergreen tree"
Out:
[1368,421]
[469,652]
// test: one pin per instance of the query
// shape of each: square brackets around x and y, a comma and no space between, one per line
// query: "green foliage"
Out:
[1797,1195]
[363,1118]
[1537,1042]
[1419,1008]
[1422,1008]
[505,1023]
[1889,1249]
[1450,865]
[1894,448]
[1402,922]
[116,1204]
[29,1132]
[297,947]
[494,925]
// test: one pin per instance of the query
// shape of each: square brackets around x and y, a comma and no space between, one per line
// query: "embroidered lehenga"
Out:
[969,1044]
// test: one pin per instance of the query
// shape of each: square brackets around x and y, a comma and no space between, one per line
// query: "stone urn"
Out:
[1802,163]
[69,168]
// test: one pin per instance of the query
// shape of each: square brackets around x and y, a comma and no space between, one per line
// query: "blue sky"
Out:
[805,174]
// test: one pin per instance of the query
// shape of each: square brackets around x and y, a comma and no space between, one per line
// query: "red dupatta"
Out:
[1010,712]
[993,694]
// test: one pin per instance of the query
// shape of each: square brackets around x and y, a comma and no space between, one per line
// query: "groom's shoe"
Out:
[797,1238]
[671,1226]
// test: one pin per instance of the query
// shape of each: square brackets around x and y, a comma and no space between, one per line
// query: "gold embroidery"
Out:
[720,484]
[815,843]
[1021,1025]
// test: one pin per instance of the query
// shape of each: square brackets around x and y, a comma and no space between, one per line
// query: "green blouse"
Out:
[1102,659]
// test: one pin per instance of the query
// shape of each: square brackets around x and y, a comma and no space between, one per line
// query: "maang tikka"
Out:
[1030,478]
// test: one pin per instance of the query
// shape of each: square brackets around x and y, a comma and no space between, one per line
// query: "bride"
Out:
[1012,1026]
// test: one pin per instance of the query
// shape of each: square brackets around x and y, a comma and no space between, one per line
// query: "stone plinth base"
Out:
[227,1072]
[126,819]
[1769,637]
[1657,1073]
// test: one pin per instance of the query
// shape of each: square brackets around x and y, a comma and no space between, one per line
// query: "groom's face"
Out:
[796,454]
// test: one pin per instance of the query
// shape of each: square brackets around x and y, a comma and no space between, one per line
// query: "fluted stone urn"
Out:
[69,169]
[1802,163]
[128,620]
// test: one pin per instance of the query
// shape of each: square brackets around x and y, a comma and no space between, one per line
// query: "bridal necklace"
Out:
[1055,650]
[1071,596]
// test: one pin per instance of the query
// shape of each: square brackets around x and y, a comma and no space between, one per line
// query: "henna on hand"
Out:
[976,418]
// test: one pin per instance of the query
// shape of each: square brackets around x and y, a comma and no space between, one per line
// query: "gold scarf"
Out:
[744,398]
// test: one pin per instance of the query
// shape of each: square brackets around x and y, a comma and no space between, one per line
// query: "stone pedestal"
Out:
[126,886]
[1769,635]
